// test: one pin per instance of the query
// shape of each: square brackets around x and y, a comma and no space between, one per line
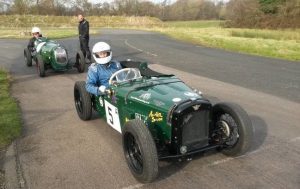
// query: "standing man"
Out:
[84,37]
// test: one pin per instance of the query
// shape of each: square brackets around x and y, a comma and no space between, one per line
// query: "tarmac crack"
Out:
[19,170]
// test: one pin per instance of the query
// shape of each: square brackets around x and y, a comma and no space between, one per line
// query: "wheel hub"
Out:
[225,128]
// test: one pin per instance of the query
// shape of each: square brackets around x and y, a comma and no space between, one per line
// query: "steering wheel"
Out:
[124,73]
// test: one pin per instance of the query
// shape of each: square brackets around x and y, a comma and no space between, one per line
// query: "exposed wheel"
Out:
[40,66]
[27,57]
[80,62]
[140,151]
[83,101]
[234,128]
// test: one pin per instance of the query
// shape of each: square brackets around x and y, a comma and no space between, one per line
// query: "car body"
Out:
[50,54]
[160,117]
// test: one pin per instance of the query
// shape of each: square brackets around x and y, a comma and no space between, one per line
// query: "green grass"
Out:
[19,26]
[23,21]
[283,44]
[10,117]
[52,33]
[194,24]
[267,34]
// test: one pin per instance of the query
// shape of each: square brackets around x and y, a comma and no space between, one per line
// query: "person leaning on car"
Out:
[36,33]
[84,36]
[100,71]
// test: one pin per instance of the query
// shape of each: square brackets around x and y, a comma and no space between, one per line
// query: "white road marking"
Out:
[129,45]
[221,161]
[133,186]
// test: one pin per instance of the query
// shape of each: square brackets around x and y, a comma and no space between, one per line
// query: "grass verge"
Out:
[52,33]
[10,116]
[282,44]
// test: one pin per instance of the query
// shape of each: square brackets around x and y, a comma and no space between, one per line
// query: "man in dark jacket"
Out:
[84,36]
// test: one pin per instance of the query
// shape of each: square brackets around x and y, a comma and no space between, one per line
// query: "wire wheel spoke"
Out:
[229,128]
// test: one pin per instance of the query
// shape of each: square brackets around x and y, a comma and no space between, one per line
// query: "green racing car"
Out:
[160,117]
[49,54]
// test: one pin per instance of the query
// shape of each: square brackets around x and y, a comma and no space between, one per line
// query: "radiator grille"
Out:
[195,129]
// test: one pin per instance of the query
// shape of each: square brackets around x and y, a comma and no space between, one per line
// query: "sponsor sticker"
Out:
[145,96]
[155,116]
[140,100]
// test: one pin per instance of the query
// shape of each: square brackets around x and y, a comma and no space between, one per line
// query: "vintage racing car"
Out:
[160,117]
[50,54]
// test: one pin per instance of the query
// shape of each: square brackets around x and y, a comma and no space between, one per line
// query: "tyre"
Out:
[83,101]
[140,151]
[80,62]
[234,126]
[40,66]
[27,57]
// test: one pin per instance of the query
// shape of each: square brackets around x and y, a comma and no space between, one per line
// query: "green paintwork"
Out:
[47,54]
[149,99]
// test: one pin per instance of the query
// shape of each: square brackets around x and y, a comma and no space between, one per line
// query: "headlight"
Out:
[183,149]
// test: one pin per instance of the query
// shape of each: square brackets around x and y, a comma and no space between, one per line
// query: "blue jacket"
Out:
[99,74]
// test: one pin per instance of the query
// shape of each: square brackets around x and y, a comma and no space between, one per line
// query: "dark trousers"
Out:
[84,46]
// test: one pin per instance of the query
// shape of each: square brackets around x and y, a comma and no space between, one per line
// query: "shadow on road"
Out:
[260,127]
[169,167]
[260,130]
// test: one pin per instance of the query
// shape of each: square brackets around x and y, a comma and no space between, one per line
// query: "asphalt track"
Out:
[58,150]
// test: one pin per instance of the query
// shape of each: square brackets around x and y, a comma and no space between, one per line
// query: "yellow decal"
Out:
[155,116]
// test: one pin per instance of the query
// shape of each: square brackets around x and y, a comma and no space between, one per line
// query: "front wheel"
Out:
[40,66]
[80,62]
[140,151]
[233,128]
[83,102]
[27,57]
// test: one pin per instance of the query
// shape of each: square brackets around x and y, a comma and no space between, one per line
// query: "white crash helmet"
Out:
[102,47]
[36,30]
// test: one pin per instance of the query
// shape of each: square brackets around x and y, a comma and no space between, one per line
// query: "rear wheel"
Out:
[83,101]
[27,57]
[40,66]
[233,128]
[140,151]
[80,62]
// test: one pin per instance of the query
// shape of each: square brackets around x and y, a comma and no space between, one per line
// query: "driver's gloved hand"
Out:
[33,53]
[102,89]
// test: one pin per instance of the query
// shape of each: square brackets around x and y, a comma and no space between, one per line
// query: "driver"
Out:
[36,33]
[100,72]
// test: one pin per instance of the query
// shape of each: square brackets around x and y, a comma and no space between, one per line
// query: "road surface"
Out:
[58,150]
